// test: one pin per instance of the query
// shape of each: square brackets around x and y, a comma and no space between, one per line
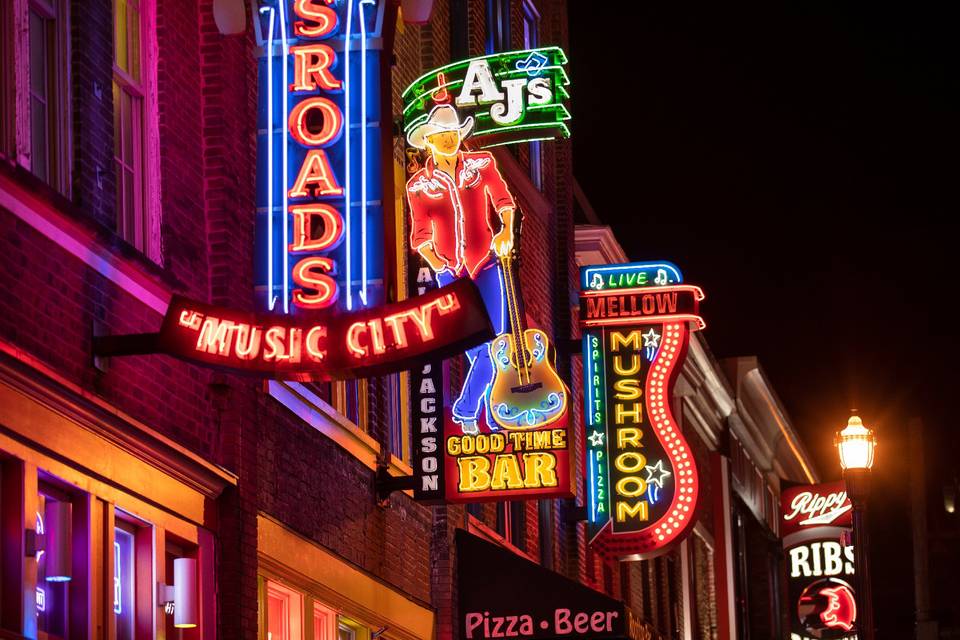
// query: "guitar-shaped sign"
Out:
[526,392]
[642,481]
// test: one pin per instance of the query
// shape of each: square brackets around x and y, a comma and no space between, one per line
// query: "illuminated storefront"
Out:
[235,401]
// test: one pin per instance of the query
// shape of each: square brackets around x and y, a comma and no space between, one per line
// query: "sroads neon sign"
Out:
[513,97]
[319,192]
[642,481]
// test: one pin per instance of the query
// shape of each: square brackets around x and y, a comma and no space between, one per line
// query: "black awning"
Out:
[502,595]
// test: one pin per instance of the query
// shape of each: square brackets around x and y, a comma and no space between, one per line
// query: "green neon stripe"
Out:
[520,141]
[520,127]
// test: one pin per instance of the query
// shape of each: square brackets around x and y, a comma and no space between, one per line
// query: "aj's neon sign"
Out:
[642,483]
[319,192]
[513,97]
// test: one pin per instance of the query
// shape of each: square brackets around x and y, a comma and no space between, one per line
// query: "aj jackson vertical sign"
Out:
[641,477]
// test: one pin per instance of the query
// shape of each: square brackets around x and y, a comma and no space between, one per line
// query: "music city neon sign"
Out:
[321,346]
[319,194]
[642,482]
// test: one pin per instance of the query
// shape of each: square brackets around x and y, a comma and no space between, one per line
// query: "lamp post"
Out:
[856,444]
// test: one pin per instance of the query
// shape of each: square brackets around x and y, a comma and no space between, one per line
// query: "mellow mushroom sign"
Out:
[642,482]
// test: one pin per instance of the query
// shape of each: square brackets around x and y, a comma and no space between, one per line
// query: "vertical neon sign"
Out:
[642,481]
[319,241]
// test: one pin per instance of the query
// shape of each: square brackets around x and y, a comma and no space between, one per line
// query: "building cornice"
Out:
[31,378]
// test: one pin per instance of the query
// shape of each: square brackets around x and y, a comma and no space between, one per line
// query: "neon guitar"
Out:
[526,392]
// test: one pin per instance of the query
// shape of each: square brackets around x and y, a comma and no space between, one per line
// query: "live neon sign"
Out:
[319,192]
[642,482]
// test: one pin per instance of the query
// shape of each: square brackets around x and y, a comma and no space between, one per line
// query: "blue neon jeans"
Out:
[477,382]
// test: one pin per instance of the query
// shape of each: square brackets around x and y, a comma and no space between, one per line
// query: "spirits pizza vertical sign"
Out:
[642,481]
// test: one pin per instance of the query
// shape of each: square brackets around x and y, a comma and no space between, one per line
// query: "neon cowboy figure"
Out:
[452,203]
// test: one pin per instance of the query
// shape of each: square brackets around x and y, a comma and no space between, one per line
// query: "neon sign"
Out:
[820,568]
[642,482]
[512,97]
[505,433]
[820,575]
[318,346]
[319,188]
[813,506]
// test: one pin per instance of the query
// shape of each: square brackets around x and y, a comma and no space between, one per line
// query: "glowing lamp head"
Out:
[856,444]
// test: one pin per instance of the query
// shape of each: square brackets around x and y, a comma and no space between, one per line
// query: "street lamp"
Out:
[856,444]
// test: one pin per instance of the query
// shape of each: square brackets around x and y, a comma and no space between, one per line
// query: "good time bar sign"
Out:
[642,482]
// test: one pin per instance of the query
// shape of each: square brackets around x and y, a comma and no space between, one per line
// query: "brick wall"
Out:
[94,187]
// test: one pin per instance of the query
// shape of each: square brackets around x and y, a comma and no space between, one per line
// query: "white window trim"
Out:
[317,413]
[151,124]
[83,244]
[150,161]
[61,165]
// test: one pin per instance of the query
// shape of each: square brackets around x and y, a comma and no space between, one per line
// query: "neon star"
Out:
[596,439]
[651,339]
[656,474]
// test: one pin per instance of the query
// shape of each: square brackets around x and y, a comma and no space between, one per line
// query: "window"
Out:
[498,26]
[287,614]
[8,136]
[398,415]
[459,47]
[351,400]
[704,602]
[132,598]
[512,523]
[49,92]
[284,612]
[545,530]
[124,562]
[531,40]
[128,125]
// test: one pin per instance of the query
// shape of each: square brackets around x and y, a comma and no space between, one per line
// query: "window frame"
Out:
[58,119]
[145,165]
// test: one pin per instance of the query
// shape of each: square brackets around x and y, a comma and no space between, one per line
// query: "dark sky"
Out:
[798,160]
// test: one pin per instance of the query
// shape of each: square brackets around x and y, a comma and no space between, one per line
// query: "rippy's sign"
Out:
[642,481]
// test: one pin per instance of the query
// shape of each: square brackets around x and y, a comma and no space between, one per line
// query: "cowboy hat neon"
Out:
[443,117]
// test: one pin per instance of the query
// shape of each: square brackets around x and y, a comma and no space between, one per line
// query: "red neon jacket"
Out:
[457,216]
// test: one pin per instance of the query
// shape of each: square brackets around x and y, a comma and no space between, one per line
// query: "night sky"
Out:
[799,161]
